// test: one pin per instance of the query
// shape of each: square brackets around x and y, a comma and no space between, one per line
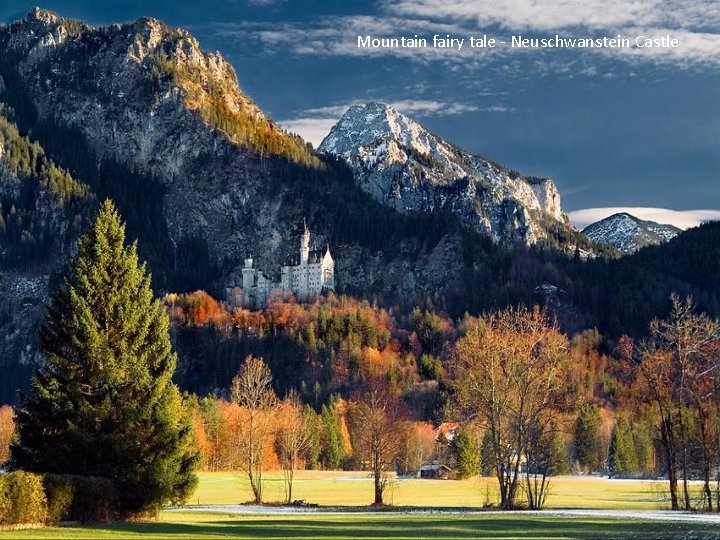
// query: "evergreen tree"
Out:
[467,454]
[642,434]
[104,403]
[487,458]
[559,458]
[314,447]
[332,448]
[587,437]
[622,456]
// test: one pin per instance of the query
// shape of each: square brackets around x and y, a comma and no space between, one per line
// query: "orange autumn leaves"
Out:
[7,431]
[217,435]
[363,341]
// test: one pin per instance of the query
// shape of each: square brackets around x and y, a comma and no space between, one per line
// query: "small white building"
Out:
[306,275]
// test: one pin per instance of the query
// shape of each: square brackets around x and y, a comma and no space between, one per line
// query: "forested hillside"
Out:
[203,179]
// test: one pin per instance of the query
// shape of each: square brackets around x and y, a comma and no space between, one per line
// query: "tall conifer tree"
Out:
[104,403]
[622,455]
[467,454]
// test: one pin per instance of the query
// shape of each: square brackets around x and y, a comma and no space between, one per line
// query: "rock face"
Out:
[119,87]
[401,164]
[628,233]
[208,167]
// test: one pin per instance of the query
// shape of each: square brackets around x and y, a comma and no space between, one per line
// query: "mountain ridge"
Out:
[628,233]
[405,166]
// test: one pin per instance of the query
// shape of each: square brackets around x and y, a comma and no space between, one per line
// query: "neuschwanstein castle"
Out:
[306,276]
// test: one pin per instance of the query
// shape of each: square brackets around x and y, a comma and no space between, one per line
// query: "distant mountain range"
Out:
[628,233]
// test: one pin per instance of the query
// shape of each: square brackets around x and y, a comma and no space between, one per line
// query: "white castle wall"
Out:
[306,279]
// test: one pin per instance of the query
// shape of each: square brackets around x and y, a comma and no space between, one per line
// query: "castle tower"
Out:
[248,274]
[304,245]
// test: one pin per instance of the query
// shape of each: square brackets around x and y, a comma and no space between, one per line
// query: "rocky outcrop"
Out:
[403,165]
[142,95]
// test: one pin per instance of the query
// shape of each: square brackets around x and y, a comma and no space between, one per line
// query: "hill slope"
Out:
[628,233]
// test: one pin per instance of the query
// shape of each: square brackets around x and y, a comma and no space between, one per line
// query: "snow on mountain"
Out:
[405,166]
[628,233]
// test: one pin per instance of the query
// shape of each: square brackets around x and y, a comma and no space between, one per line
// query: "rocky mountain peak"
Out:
[145,41]
[363,126]
[41,15]
[404,165]
[132,70]
[629,233]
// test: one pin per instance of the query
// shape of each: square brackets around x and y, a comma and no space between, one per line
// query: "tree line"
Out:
[615,296]
[518,399]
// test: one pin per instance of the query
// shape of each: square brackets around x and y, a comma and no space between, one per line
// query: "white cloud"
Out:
[312,130]
[693,48]
[695,23]
[337,36]
[680,218]
[410,107]
[552,15]
[425,107]
[265,2]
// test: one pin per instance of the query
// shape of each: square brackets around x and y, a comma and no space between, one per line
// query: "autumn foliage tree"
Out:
[678,375]
[292,438]
[375,425]
[252,390]
[510,372]
[7,431]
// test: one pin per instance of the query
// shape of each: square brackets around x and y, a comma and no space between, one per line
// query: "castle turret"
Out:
[248,274]
[304,245]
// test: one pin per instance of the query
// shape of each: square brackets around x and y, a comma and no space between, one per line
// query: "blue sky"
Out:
[614,128]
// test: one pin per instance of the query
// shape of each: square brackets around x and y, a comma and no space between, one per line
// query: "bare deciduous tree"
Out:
[376,430]
[510,372]
[291,439]
[417,445]
[679,372]
[252,390]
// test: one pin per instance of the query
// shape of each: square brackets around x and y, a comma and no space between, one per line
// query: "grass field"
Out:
[186,526]
[332,488]
[355,489]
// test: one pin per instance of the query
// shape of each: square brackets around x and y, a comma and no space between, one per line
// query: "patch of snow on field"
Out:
[653,515]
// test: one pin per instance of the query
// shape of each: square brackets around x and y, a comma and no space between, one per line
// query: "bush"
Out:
[60,492]
[79,498]
[52,498]
[22,498]
[5,504]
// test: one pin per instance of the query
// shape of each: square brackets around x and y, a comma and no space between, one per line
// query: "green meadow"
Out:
[338,488]
[353,490]
[210,526]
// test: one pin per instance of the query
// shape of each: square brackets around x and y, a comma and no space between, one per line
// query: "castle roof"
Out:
[315,256]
